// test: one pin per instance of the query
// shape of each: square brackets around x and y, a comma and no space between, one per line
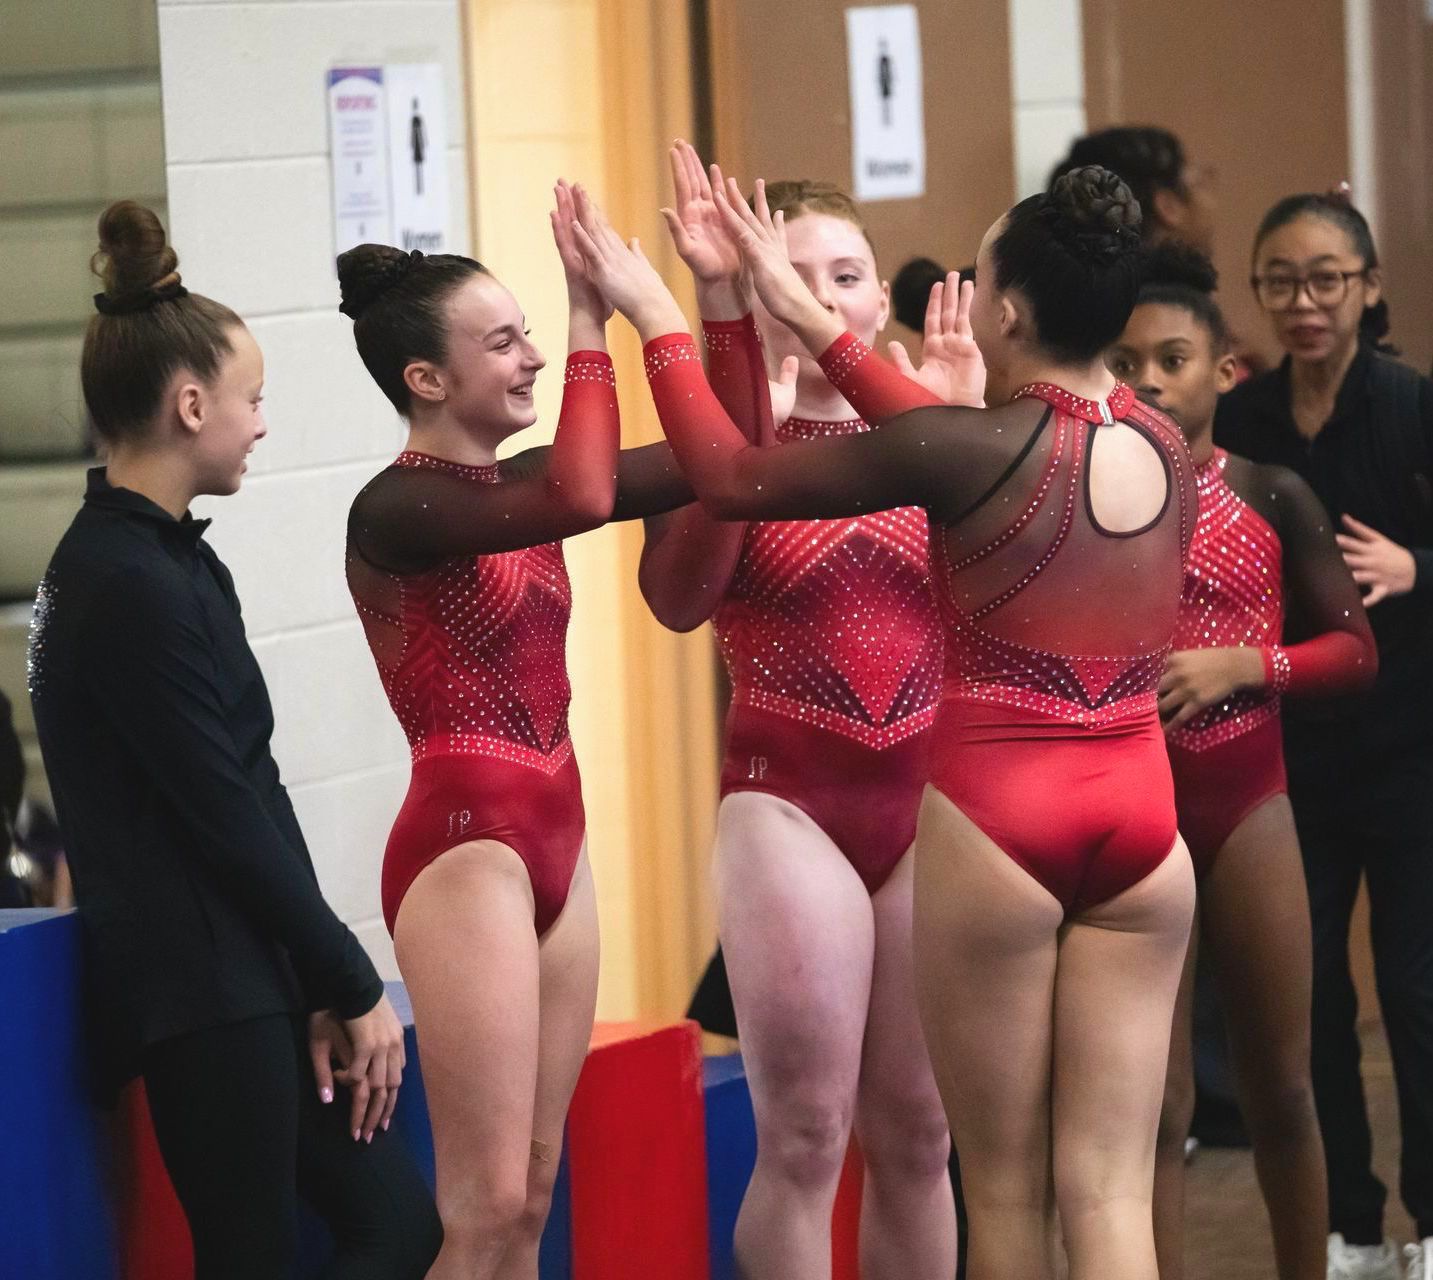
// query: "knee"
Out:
[483,1216]
[805,1146]
[905,1144]
[538,1204]
[1279,1106]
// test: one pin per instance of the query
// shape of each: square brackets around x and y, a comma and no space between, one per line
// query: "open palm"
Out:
[951,365]
[696,225]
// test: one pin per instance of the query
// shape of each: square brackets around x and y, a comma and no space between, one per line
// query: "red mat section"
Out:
[154,1234]
[846,1218]
[635,1143]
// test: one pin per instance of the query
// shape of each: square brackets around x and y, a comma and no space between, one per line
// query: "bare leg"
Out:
[466,946]
[1256,922]
[567,960]
[985,941]
[1175,1117]
[797,933]
[1119,972]
[907,1209]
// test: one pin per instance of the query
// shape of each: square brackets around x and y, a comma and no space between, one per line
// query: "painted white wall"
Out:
[246,142]
[1362,117]
[1048,86]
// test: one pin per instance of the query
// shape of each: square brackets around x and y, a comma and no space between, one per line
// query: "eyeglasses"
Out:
[1279,292]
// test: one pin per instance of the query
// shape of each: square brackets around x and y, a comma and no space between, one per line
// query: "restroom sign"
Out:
[418,156]
[883,57]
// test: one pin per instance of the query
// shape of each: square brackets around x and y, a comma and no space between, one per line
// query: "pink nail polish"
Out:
[326,1094]
[386,1123]
[357,1134]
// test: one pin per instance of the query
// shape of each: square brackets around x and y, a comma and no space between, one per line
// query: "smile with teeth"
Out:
[525,389]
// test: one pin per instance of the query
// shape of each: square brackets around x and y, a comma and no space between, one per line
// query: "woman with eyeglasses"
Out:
[1358,426]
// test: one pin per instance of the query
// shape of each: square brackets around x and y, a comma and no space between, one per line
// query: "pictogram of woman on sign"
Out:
[418,141]
[886,76]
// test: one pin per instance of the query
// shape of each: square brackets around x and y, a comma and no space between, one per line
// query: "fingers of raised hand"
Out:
[950,302]
[966,290]
[901,359]
[933,310]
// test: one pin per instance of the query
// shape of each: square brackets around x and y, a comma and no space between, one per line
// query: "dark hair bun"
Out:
[134,254]
[1176,264]
[1093,213]
[367,272]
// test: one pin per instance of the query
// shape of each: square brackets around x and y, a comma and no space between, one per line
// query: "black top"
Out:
[196,890]
[1373,460]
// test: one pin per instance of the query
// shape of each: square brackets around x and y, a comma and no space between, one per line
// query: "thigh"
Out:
[985,947]
[1119,970]
[468,952]
[897,1094]
[1255,917]
[225,1108]
[568,958]
[797,936]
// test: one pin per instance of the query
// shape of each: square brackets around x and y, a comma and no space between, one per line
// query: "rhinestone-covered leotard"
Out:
[830,637]
[472,655]
[1229,759]
[1056,627]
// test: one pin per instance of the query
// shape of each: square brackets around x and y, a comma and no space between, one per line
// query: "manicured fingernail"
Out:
[357,1134]
[326,1094]
[369,1139]
[386,1123]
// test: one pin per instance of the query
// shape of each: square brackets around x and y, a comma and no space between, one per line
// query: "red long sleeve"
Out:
[873,387]
[1333,663]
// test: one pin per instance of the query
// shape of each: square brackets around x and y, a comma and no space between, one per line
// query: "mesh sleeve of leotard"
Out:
[649,482]
[1340,655]
[939,458]
[409,519]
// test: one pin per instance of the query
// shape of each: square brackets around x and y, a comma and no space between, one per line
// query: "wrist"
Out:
[817,328]
[720,299]
[656,319]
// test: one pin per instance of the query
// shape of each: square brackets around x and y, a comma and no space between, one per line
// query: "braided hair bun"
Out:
[367,272]
[1093,213]
[134,254]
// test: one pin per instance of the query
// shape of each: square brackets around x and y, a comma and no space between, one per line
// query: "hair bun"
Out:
[368,271]
[1093,213]
[1172,263]
[134,254]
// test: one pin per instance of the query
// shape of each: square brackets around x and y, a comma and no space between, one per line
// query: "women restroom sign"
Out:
[883,54]
[388,152]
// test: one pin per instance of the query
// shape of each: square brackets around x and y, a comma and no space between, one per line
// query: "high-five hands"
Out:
[621,272]
[951,365]
[581,292]
[698,231]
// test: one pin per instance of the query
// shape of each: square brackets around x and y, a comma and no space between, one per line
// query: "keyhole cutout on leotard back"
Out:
[1127,481]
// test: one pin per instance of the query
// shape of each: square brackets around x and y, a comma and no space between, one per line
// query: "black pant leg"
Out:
[374,1199]
[225,1108]
[1400,888]
[1330,812]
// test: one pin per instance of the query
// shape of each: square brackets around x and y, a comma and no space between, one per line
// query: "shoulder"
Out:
[1280,493]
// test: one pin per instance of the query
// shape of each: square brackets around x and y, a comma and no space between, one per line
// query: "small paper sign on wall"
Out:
[418,156]
[358,157]
[388,150]
[883,54]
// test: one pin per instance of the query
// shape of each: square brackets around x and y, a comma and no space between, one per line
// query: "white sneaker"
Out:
[1418,1259]
[1364,1261]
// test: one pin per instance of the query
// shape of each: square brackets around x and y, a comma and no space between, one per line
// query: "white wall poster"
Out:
[418,156]
[883,54]
[358,156]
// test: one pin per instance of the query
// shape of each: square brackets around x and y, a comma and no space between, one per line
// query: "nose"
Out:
[821,291]
[534,359]
[263,428]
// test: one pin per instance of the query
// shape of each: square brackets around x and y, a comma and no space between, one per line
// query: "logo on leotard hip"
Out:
[459,821]
[758,769]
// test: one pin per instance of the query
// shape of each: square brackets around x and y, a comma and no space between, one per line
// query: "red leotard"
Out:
[1229,759]
[1056,629]
[458,575]
[830,636]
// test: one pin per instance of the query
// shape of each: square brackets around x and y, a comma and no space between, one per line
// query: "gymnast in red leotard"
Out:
[1053,896]
[1261,533]
[455,564]
[832,643]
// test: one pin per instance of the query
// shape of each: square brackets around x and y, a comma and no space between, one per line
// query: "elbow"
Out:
[727,501]
[590,504]
[674,611]
[1366,670]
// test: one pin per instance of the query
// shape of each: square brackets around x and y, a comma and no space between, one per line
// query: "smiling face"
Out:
[1169,357]
[224,417]
[487,375]
[835,260]
[1305,247]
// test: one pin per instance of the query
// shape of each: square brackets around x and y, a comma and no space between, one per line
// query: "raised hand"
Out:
[622,273]
[700,235]
[582,294]
[762,241]
[951,366]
